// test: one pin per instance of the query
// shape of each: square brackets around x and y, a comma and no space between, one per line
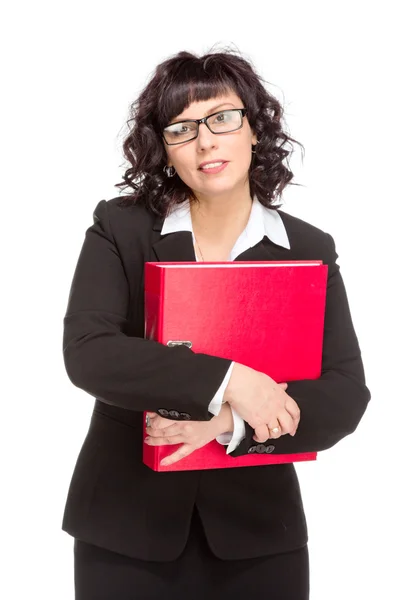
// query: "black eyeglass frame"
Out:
[243,112]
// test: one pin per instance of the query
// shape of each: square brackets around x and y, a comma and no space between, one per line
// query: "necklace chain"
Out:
[201,254]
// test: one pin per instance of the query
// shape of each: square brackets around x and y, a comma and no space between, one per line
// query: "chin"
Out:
[216,190]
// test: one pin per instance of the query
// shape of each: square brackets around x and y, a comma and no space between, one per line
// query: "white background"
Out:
[70,71]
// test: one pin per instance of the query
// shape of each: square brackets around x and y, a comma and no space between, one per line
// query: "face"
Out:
[233,147]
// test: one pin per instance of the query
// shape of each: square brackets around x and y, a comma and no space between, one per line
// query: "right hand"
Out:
[261,402]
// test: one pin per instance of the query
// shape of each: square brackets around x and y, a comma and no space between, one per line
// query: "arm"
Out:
[121,370]
[215,405]
[232,437]
[332,406]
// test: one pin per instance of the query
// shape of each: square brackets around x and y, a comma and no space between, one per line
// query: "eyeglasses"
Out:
[223,121]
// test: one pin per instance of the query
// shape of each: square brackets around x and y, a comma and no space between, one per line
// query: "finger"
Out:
[287,423]
[283,385]
[161,423]
[152,414]
[293,409]
[183,429]
[183,451]
[164,441]
[261,433]
[292,423]
[275,430]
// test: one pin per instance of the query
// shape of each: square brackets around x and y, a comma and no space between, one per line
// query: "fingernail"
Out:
[146,439]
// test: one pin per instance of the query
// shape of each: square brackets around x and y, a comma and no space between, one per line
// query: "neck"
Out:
[221,216]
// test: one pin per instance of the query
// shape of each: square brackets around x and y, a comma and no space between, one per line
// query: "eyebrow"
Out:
[209,112]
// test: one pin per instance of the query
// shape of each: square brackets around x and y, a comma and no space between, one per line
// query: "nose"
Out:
[205,139]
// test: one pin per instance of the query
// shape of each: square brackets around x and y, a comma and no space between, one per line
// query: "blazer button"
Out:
[174,413]
[260,448]
[269,449]
[163,412]
[185,416]
[251,450]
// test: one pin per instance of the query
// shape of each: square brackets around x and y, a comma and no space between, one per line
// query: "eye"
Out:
[221,117]
[179,129]
[225,116]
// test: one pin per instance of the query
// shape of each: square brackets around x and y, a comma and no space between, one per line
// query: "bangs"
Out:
[193,83]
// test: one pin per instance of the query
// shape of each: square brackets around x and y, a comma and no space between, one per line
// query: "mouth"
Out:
[214,167]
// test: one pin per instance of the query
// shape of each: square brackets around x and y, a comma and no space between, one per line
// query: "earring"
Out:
[253,151]
[168,171]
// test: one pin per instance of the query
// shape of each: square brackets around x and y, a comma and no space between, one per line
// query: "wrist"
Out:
[234,389]
[225,421]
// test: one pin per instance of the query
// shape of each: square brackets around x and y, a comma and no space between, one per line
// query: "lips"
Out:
[210,162]
[213,170]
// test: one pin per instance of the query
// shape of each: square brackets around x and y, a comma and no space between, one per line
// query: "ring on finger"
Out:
[275,430]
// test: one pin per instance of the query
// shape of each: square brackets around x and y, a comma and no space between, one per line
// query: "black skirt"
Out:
[197,574]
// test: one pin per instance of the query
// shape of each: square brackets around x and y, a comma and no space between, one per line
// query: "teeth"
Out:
[212,165]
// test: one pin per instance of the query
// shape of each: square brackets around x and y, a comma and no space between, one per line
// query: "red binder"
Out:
[268,315]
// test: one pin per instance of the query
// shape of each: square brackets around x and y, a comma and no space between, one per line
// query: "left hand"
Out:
[191,434]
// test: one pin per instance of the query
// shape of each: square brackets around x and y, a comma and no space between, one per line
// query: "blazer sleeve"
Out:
[129,372]
[332,405]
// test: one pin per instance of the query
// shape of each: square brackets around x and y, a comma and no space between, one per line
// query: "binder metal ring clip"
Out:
[172,343]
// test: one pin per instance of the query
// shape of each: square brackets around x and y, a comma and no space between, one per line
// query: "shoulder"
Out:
[116,208]
[120,218]
[307,239]
[297,227]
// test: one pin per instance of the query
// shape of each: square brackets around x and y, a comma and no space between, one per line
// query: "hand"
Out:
[262,402]
[191,434]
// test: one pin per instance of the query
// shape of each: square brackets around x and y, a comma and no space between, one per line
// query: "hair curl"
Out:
[177,82]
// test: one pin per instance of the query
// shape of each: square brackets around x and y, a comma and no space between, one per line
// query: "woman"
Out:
[206,153]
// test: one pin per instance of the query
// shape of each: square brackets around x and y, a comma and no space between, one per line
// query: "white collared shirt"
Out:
[262,222]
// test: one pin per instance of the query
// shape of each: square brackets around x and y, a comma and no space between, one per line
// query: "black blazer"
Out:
[115,501]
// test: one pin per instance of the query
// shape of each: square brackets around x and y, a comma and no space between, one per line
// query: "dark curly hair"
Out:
[177,82]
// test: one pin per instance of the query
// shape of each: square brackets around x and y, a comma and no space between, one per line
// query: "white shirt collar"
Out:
[262,221]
